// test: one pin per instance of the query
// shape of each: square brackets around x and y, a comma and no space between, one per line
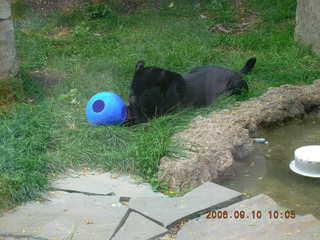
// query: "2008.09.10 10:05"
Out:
[255,214]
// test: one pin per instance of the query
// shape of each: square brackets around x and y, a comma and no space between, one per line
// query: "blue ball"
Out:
[106,108]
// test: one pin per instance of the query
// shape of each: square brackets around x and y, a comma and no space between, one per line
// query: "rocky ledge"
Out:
[211,144]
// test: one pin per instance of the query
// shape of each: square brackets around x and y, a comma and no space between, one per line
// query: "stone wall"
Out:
[308,23]
[8,62]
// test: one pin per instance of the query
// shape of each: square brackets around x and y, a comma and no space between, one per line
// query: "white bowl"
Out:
[307,161]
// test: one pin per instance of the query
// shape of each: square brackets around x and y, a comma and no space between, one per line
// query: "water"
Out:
[267,169]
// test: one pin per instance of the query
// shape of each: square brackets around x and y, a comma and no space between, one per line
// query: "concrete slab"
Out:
[20,237]
[137,227]
[104,183]
[65,215]
[84,214]
[206,227]
[304,227]
[249,227]
[167,211]
[81,216]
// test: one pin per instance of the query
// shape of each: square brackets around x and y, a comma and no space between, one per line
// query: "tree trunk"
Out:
[308,23]
[8,61]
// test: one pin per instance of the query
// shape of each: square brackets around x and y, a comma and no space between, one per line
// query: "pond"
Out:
[267,169]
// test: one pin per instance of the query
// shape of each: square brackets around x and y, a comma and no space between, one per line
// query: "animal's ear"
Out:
[139,65]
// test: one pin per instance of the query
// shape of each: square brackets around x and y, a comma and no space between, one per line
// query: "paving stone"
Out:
[104,183]
[138,227]
[207,226]
[66,214]
[79,216]
[84,216]
[248,227]
[304,227]
[167,211]
[8,236]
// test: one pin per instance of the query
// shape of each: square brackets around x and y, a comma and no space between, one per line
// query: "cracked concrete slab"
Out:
[65,215]
[167,211]
[74,215]
[84,211]
[138,227]
[104,183]
[250,227]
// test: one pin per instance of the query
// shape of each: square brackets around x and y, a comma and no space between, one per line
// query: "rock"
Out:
[308,23]
[251,225]
[212,144]
[169,211]
[65,216]
[84,210]
[5,11]
[138,227]
[8,62]
[97,183]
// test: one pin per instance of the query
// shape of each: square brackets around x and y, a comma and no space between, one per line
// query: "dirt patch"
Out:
[212,144]
[7,97]
[47,79]
[246,19]
[47,6]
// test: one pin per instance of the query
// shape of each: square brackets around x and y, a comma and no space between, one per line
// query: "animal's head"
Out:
[154,91]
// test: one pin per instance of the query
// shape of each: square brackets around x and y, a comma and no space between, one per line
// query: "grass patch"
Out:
[95,49]
[24,162]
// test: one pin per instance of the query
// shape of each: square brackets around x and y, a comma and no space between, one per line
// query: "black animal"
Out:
[155,91]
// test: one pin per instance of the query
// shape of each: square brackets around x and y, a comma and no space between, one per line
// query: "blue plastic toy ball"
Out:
[106,108]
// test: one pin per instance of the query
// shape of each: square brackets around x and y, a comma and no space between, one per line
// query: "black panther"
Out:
[155,91]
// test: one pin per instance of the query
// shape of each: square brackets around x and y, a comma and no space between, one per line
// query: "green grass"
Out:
[95,49]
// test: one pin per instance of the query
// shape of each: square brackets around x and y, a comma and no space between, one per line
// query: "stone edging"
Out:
[212,143]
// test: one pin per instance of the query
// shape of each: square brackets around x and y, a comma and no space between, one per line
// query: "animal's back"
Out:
[205,84]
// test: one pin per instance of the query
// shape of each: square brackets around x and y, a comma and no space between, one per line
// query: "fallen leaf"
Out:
[89,222]
[222,28]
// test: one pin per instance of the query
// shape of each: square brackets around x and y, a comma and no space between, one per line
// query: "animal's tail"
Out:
[249,65]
